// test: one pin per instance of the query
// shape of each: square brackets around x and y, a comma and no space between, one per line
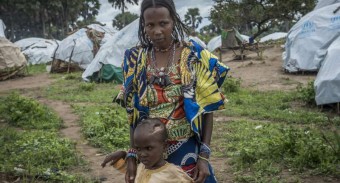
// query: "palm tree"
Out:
[193,18]
[121,4]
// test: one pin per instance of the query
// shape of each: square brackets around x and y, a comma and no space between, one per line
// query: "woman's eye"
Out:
[138,149]
[149,148]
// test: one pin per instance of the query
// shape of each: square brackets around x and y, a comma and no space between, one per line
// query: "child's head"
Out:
[150,140]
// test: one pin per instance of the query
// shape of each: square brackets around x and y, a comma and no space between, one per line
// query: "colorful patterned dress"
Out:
[195,78]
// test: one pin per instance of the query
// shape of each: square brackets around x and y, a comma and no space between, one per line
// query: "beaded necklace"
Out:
[161,75]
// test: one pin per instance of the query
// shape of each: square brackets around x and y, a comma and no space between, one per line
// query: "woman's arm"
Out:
[202,166]
[207,128]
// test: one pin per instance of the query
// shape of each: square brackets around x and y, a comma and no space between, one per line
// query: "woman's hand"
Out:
[131,170]
[201,171]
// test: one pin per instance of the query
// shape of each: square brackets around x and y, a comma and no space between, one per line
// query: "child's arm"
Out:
[113,158]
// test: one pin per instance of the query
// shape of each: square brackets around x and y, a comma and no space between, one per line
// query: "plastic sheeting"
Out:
[10,55]
[307,36]
[323,3]
[112,52]
[2,29]
[327,82]
[80,45]
[273,36]
[38,50]
[214,43]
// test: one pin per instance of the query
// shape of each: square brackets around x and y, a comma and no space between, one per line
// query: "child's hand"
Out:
[113,158]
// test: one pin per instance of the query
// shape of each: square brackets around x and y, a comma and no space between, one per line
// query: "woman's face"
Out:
[149,148]
[158,26]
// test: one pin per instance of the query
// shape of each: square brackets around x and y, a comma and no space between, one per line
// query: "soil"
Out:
[258,74]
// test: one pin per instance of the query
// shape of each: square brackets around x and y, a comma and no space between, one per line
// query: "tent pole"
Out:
[69,61]
[338,106]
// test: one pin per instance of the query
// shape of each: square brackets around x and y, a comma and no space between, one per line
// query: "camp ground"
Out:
[281,116]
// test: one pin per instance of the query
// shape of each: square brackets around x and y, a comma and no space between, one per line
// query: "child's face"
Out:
[150,149]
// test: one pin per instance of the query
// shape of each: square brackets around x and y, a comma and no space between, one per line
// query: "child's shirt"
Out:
[169,173]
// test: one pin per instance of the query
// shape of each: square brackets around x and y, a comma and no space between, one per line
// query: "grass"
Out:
[274,106]
[36,69]
[29,143]
[71,88]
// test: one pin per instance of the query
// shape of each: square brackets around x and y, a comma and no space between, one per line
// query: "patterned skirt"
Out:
[184,154]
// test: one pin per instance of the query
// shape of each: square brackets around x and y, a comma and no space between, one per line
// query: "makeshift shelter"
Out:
[38,50]
[307,36]
[2,29]
[273,37]
[12,61]
[327,82]
[77,51]
[106,66]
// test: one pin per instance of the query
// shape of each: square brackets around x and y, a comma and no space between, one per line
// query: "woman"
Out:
[175,81]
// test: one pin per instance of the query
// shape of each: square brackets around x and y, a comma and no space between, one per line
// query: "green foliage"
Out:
[192,18]
[26,113]
[231,85]
[48,19]
[36,69]
[122,20]
[307,93]
[87,86]
[70,88]
[37,155]
[267,148]
[247,14]
[275,106]
[105,126]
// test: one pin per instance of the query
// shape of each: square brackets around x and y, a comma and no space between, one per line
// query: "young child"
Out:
[150,141]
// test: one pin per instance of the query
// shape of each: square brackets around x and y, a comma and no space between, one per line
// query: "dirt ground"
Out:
[266,74]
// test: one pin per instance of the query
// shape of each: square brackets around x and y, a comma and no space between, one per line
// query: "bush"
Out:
[307,94]
[231,85]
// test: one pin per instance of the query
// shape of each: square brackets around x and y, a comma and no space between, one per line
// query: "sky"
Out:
[107,12]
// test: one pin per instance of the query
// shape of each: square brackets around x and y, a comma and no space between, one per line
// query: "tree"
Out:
[192,18]
[121,4]
[41,18]
[261,14]
[119,21]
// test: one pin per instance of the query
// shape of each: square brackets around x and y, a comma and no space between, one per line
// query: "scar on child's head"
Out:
[154,127]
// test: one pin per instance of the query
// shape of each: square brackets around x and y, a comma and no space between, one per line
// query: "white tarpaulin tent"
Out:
[80,46]
[307,36]
[2,28]
[327,82]
[216,42]
[112,52]
[38,50]
[323,3]
[273,36]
